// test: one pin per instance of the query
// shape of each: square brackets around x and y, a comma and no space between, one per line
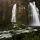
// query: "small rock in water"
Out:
[35,30]
[29,27]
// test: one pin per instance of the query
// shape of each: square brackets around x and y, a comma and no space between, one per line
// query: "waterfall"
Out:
[35,13]
[13,13]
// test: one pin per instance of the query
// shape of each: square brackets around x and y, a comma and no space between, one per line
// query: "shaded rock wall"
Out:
[6,11]
[38,4]
[22,12]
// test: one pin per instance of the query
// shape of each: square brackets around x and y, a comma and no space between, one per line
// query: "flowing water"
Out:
[13,13]
[35,14]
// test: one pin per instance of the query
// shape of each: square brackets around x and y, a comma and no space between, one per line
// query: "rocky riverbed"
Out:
[11,33]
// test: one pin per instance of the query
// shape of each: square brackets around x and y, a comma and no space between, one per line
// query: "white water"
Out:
[13,13]
[35,14]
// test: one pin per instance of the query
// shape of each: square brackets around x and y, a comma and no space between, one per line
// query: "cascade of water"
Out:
[35,13]
[13,13]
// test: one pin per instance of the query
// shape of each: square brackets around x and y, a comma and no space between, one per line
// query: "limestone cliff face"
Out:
[22,11]
[6,11]
[38,3]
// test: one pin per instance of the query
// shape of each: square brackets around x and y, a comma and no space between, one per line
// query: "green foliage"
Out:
[32,36]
